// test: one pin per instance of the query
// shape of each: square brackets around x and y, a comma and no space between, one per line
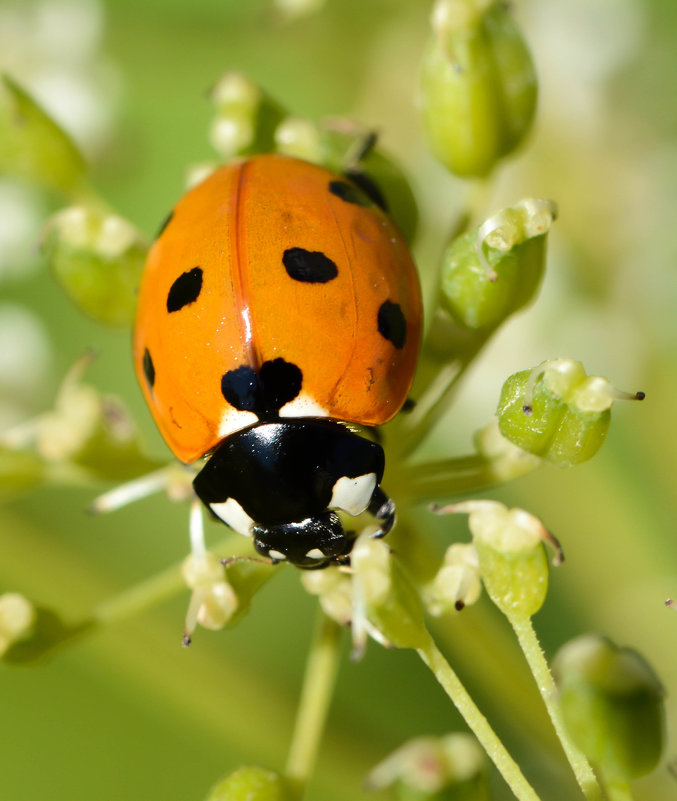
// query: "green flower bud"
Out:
[512,559]
[33,146]
[98,259]
[43,631]
[334,590]
[495,270]
[391,603]
[246,118]
[250,783]
[557,412]
[612,706]
[449,768]
[478,85]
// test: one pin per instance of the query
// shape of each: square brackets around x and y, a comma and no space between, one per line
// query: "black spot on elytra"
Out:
[349,193]
[264,392]
[391,323]
[148,368]
[370,188]
[164,224]
[185,290]
[309,266]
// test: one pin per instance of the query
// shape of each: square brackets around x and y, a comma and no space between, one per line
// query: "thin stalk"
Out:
[318,687]
[538,665]
[479,725]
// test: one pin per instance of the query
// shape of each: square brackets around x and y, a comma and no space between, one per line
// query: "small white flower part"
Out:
[17,616]
[457,583]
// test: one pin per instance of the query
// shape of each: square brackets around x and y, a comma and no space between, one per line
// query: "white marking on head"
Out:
[303,405]
[315,553]
[233,420]
[277,555]
[352,495]
[233,515]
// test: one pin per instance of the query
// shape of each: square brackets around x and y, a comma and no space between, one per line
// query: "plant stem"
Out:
[479,725]
[546,686]
[318,686]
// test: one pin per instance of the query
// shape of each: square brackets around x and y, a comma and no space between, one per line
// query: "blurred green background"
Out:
[128,713]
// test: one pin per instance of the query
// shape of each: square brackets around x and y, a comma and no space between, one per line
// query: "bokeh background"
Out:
[127,713]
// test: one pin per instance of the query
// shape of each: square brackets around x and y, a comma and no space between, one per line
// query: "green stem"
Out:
[546,686]
[318,686]
[479,725]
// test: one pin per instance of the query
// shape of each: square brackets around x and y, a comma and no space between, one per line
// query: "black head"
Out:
[311,543]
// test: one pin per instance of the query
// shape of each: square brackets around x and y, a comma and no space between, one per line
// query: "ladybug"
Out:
[279,304]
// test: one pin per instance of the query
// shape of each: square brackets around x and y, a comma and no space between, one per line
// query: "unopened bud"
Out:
[98,259]
[493,271]
[557,412]
[457,583]
[478,85]
[213,601]
[449,768]
[612,705]
[512,559]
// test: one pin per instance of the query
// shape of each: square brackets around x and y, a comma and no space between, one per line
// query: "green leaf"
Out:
[33,146]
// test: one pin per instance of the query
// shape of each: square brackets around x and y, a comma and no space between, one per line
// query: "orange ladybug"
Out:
[278,303]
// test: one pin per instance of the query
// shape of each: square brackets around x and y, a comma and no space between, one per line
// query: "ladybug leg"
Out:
[383,509]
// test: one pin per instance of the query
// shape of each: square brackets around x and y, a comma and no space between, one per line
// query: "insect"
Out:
[279,305]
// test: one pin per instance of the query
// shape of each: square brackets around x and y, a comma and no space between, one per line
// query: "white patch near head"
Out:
[233,515]
[303,405]
[233,420]
[352,495]
[277,555]
[315,553]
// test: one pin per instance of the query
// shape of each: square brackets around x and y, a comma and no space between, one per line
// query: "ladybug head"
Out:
[311,543]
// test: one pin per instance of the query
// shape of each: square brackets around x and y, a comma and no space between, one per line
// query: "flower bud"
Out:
[478,85]
[33,146]
[612,706]
[213,601]
[98,259]
[334,590]
[246,118]
[449,768]
[457,583]
[17,618]
[557,412]
[495,270]
[512,559]
[250,783]
[88,430]
[391,603]
[299,138]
